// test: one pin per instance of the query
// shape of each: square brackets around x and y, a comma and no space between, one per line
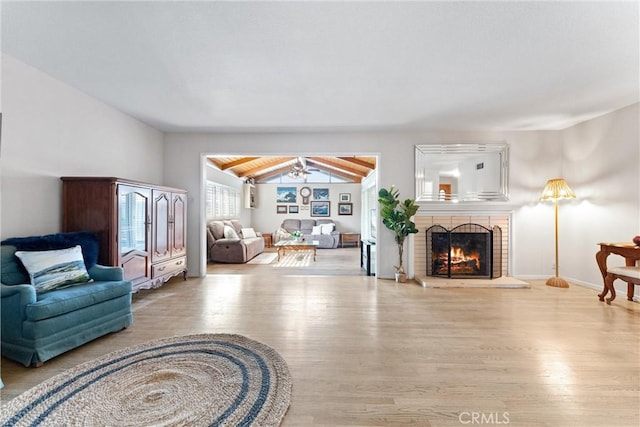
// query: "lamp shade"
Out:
[557,188]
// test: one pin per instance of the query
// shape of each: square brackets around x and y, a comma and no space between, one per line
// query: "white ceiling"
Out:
[313,66]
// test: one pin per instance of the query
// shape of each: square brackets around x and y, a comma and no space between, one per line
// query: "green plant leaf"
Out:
[396,216]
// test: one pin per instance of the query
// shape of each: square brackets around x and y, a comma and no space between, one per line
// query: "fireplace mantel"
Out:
[471,208]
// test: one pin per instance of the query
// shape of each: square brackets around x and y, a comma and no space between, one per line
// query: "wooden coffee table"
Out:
[293,245]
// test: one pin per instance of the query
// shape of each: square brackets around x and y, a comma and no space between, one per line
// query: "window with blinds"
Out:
[222,201]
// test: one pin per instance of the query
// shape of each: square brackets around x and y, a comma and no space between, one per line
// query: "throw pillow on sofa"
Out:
[248,233]
[49,270]
[317,229]
[327,228]
[230,233]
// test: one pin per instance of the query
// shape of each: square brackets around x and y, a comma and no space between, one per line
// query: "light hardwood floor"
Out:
[369,352]
[329,262]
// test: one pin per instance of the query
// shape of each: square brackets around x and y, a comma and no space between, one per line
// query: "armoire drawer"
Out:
[167,267]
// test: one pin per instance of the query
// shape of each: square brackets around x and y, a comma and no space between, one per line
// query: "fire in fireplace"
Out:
[468,250]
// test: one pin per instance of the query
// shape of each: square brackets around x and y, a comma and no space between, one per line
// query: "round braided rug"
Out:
[211,379]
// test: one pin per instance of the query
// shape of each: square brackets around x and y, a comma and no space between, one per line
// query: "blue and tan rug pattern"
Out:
[209,379]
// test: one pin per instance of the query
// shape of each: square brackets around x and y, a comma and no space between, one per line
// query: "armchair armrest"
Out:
[210,239]
[13,302]
[25,293]
[101,273]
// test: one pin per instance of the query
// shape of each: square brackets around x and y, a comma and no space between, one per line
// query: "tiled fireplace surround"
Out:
[450,221]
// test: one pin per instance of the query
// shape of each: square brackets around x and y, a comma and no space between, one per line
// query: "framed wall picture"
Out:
[286,194]
[281,209]
[345,208]
[293,208]
[320,194]
[345,197]
[320,208]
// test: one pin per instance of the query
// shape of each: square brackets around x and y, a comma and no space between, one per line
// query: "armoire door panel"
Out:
[136,267]
[179,226]
[161,226]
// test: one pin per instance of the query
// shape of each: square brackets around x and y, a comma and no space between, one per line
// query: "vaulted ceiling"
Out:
[353,168]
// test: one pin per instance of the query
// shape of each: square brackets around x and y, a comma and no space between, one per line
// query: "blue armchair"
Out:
[37,327]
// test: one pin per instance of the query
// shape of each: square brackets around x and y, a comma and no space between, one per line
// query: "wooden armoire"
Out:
[142,227]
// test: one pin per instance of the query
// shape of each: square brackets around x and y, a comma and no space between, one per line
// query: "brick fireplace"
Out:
[499,246]
[467,250]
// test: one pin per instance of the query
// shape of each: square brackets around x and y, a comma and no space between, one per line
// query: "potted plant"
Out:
[297,236]
[396,216]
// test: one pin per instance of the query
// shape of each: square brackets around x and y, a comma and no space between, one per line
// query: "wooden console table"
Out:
[630,253]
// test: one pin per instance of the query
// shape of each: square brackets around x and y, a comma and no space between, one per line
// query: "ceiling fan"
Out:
[299,169]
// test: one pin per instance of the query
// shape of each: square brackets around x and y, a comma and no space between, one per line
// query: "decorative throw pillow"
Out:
[217,229]
[230,233]
[248,233]
[327,228]
[317,229]
[49,270]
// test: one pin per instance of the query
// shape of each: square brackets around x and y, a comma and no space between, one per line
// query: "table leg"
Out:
[630,291]
[608,282]
[601,259]
[314,254]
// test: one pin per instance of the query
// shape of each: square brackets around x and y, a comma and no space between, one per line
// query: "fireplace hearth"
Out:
[468,250]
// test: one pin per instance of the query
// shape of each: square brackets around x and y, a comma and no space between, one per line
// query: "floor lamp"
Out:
[555,190]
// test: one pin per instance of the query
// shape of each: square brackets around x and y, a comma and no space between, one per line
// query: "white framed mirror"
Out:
[470,172]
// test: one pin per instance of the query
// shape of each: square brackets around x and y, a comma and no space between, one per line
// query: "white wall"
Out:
[368,202]
[50,130]
[534,158]
[602,164]
[599,159]
[266,219]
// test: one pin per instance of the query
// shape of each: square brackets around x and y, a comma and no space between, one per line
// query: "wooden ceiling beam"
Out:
[356,179]
[213,162]
[287,168]
[271,173]
[271,166]
[253,172]
[340,173]
[337,166]
[359,162]
[237,162]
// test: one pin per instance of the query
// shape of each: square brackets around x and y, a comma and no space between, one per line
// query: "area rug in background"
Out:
[264,258]
[210,379]
[295,259]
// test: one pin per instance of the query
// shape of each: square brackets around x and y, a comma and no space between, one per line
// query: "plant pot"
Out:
[401,277]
